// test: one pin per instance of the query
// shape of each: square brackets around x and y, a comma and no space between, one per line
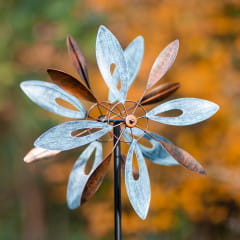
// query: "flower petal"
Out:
[36,154]
[60,137]
[45,94]
[71,85]
[161,92]
[133,55]
[78,60]
[138,190]
[183,157]
[156,154]
[162,63]
[95,179]
[108,52]
[78,178]
[193,110]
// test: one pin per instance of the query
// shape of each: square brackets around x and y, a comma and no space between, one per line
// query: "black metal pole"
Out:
[117,182]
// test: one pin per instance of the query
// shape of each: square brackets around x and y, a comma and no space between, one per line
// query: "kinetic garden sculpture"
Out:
[121,119]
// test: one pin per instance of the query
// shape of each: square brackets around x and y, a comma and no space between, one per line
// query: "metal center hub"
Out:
[130,121]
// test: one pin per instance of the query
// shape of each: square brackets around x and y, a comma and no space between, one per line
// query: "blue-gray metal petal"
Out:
[133,55]
[156,154]
[45,94]
[109,52]
[60,137]
[78,178]
[193,110]
[138,190]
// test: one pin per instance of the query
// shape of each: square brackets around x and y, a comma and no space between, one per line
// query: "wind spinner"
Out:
[117,120]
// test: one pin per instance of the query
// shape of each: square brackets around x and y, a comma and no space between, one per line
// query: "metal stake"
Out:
[117,183]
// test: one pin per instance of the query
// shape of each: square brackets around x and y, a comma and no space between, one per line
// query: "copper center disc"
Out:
[130,121]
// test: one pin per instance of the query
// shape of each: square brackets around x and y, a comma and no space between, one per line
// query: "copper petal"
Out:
[183,158]
[39,154]
[71,85]
[162,63]
[95,180]
[159,93]
[78,59]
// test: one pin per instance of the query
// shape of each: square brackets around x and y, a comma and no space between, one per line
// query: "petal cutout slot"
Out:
[108,52]
[194,110]
[60,137]
[71,85]
[138,191]
[45,94]
[135,171]
[162,63]
[78,177]
[133,55]
[184,158]
[78,59]
[65,104]
[170,113]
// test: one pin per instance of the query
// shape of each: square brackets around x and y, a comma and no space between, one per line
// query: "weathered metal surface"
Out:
[162,63]
[71,85]
[156,154]
[36,154]
[60,137]
[78,177]
[133,55]
[138,190]
[109,52]
[193,110]
[78,60]
[45,94]
[184,158]
[159,93]
[96,179]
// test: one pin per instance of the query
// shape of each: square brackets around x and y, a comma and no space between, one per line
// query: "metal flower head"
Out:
[130,115]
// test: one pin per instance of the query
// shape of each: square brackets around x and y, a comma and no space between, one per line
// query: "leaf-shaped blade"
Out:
[95,179]
[108,52]
[156,154]
[60,137]
[133,55]
[193,110]
[78,178]
[71,85]
[45,94]
[36,154]
[160,93]
[138,190]
[162,63]
[78,59]
[183,157]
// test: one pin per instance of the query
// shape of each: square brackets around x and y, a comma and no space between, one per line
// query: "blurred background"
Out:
[184,205]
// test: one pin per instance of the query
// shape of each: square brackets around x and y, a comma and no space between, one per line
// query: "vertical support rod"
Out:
[117,183]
